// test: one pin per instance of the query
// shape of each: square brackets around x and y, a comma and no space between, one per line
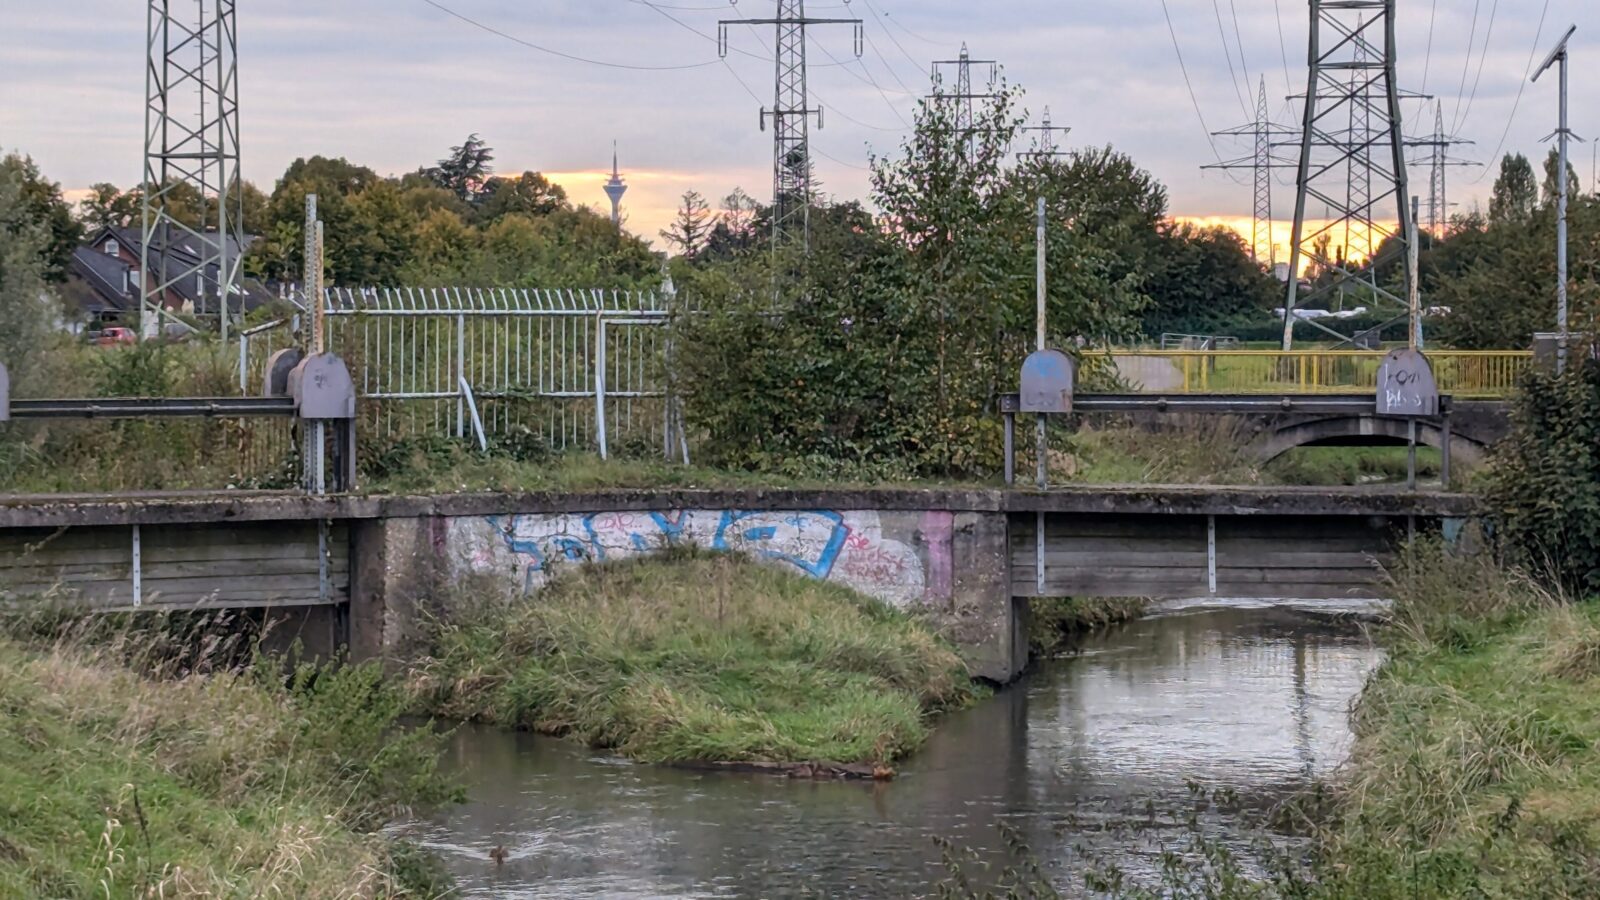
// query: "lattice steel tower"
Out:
[191,144]
[791,116]
[964,98]
[1261,163]
[1439,161]
[1352,158]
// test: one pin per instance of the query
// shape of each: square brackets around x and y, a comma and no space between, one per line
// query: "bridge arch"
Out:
[1361,431]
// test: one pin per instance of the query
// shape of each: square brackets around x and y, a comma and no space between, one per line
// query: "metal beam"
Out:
[155,407]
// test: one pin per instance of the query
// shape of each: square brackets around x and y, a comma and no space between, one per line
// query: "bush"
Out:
[1544,484]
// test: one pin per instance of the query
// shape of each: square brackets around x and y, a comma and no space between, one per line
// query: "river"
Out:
[1249,697]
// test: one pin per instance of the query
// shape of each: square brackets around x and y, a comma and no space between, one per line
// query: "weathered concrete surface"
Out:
[950,567]
[395,581]
[57,511]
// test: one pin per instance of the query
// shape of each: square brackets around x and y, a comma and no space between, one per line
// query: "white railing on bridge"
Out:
[564,369]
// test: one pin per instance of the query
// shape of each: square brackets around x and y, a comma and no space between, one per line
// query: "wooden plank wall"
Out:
[1165,556]
[183,566]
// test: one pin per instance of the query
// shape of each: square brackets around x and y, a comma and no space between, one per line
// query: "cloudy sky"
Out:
[393,84]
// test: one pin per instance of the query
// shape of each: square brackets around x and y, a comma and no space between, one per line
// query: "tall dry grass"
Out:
[125,773]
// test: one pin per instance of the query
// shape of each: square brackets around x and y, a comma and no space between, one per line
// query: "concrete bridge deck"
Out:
[364,570]
[199,507]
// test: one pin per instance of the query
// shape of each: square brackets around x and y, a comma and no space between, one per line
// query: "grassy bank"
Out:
[695,657]
[120,777]
[1054,623]
[1476,770]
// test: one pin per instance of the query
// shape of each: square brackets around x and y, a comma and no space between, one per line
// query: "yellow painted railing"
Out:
[1460,373]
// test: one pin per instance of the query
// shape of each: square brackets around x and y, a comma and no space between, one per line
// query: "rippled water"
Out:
[1249,697]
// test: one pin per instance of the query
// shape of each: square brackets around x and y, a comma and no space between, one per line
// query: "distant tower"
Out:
[615,188]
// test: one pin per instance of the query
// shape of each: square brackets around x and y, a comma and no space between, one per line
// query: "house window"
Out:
[133,281]
[111,247]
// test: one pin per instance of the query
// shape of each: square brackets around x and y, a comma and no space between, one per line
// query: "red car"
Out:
[114,336]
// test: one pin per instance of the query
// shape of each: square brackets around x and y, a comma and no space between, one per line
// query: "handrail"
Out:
[1467,374]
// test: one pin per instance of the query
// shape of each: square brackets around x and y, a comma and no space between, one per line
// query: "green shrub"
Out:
[1544,484]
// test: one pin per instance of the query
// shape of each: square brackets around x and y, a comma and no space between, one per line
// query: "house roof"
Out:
[185,253]
[106,275]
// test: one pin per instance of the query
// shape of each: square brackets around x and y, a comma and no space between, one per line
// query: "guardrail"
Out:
[1464,374]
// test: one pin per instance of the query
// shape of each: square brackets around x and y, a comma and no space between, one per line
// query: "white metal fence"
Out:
[568,369]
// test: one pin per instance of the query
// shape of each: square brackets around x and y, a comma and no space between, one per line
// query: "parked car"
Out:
[113,336]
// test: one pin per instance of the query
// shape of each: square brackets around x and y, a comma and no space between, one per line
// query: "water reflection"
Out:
[1249,698]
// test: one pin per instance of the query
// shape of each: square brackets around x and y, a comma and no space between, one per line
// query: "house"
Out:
[105,276]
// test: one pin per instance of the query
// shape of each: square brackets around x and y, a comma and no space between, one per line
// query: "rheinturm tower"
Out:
[615,188]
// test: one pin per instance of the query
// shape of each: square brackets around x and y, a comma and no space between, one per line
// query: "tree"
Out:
[739,227]
[466,169]
[1516,192]
[689,231]
[1550,186]
[26,309]
[530,194]
[1202,281]
[47,209]
[108,206]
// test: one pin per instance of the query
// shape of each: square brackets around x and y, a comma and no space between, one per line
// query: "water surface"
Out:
[1250,697]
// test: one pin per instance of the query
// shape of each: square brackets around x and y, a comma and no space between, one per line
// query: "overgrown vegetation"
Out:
[1544,484]
[130,770]
[51,456]
[886,347]
[694,657]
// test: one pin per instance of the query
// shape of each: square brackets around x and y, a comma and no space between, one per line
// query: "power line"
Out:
[1238,40]
[1283,46]
[1205,129]
[1482,58]
[1516,104]
[883,20]
[886,17]
[569,56]
[1466,64]
[1427,60]
[1233,74]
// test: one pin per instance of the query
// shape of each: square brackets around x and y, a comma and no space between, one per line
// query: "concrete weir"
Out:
[362,572]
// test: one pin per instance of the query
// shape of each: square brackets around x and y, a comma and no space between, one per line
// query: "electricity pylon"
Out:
[965,98]
[791,117]
[1261,162]
[191,146]
[1439,162]
[1046,148]
[1353,170]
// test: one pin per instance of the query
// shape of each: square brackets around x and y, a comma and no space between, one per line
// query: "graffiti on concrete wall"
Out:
[845,547]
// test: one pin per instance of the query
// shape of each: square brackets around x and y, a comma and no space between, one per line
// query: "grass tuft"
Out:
[695,657]
[124,774]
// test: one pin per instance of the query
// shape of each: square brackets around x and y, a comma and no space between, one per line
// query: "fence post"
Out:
[244,362]
[600,382]
[461,375]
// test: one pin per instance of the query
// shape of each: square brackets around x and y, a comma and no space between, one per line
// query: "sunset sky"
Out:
[394,84]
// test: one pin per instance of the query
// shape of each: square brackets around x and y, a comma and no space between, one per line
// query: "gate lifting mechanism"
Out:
[318,392]
[1406,390]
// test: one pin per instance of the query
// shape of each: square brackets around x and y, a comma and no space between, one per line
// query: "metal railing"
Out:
[1465,374]
[568,369]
